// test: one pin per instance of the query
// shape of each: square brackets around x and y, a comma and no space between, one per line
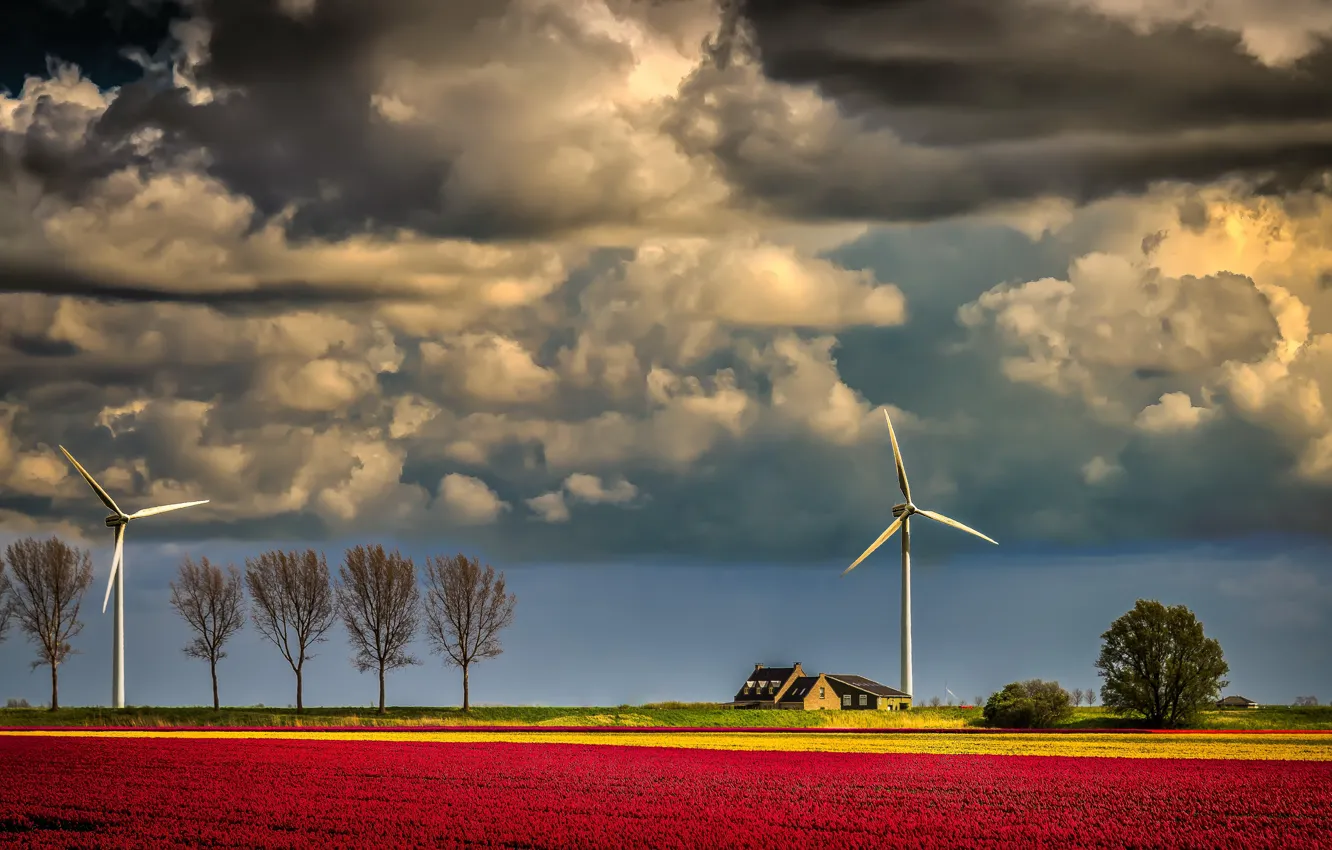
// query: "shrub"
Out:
[1032,704]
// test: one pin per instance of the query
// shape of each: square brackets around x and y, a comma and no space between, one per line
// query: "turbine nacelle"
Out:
[118,520]
[907,509]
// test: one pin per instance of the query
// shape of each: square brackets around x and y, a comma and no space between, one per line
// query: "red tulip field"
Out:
[170,790]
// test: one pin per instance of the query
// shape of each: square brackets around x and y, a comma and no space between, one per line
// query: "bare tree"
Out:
[978,701]
[1091,696]
[6,602]
[465,609]
[379,603]
[1076,694]
[293,604]
[49,580]
[213,603]
[1306,701]
[934,702]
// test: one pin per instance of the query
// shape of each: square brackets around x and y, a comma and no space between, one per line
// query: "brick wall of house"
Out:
[894,703]
[795,674]
[828,702]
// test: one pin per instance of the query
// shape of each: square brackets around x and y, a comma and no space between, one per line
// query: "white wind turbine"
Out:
[904,512]
[118,521]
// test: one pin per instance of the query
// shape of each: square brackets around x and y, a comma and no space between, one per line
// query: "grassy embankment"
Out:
[658,714]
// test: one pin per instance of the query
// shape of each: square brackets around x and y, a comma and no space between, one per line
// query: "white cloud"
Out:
[590,489]
[553,507]
[490,368]
[807,389]
[550,507]
[1174,412]
[469,500]
[1115,318]
[1099,469]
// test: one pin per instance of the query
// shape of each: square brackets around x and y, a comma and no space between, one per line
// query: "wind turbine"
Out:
[904,512]
[117,521]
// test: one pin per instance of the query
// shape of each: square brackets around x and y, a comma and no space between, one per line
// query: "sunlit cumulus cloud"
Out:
[615,277]
[579,487]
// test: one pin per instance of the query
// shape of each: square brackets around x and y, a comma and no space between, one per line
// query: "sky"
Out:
[611,294]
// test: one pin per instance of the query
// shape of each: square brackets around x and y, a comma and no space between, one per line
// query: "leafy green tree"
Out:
[1158,664]
[1032,704]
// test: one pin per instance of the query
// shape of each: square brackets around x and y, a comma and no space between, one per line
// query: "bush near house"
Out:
[1032,704]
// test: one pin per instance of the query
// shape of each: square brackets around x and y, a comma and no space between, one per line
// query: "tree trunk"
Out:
[381,687]
[466,704]
[213,665]
[55,689]
[299,706]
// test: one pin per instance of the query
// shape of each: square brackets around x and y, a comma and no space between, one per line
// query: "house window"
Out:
[846,700]
[821,690]
[864,699]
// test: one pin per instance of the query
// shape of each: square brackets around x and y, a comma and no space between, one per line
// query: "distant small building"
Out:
[793,689]
[1237,702]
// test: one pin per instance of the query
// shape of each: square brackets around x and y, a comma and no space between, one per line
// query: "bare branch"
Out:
[378,601]
[6,602]
[293,603]
[213,605]
[465,609]
[47,589]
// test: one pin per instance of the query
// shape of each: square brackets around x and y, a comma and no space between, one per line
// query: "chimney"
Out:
[758,667]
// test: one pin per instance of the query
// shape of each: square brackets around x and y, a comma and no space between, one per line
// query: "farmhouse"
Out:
[792,688]
[1237,702]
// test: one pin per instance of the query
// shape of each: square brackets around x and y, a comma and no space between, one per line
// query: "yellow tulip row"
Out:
[1220,746]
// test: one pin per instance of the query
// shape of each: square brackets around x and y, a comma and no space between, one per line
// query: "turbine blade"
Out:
[897,457]
[877,543]
[164,508]
[955,524]
[115,564]
[97,488]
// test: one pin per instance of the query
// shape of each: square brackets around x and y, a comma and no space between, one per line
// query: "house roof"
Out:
[799,689]
[860,683]
[764,674]
[1234,700]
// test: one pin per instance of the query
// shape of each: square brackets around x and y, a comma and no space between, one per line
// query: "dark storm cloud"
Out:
[961,71]
[295,120]
[97,35]
[947,106]
[269,297]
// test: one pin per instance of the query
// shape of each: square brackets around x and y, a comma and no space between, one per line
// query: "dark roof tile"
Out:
[765,674]
[863,684]
[799,689]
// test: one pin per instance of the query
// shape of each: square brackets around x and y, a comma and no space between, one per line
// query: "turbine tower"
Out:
[117,521]
[904,512]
